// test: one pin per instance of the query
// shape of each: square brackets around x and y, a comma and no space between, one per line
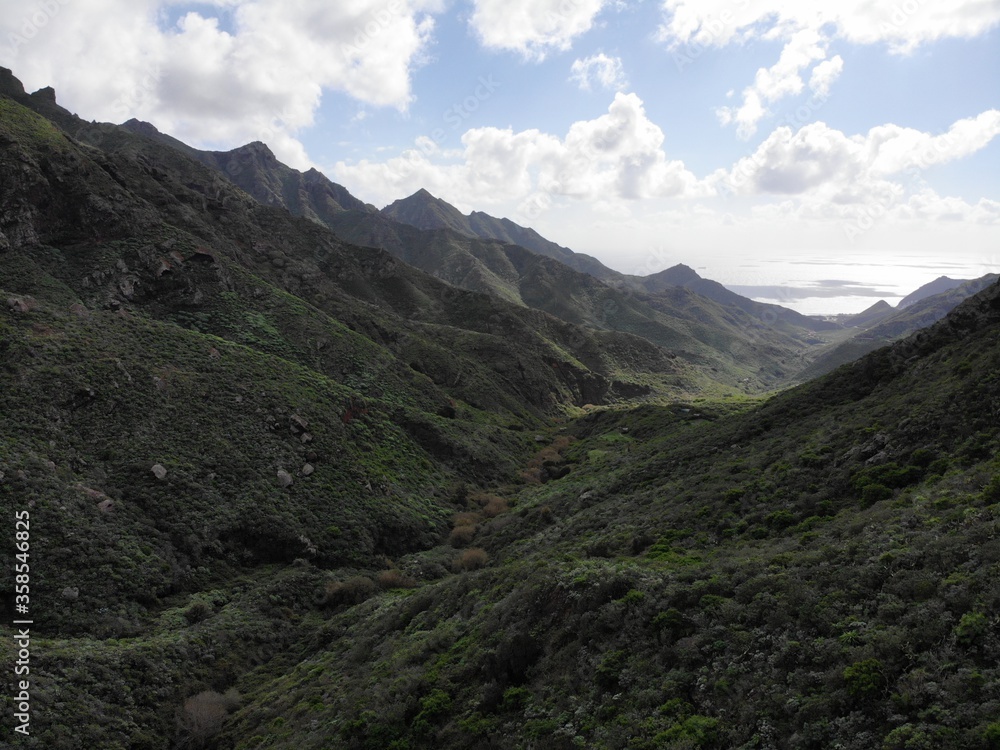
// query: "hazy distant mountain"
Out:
[939,285]
[687,277]
[757,345]
[734,346]
[425,211]
[729,347]
[926,311]
[873,314]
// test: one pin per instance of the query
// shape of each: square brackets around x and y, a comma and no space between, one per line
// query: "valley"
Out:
[306,474]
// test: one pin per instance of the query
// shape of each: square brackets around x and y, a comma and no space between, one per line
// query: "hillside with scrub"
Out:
[287,491]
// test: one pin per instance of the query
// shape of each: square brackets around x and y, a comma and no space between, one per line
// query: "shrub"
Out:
[971,628]
[494,506]
[991,736]
[466,519]
[394,579]
[515,699]
[874,493]
[202,716]
[470,559]
[432,708]
[197,612]
[991,492]
[462,535]
[352,591]
[694,731]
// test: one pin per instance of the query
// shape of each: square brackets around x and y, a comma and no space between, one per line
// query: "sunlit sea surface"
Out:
[820,285]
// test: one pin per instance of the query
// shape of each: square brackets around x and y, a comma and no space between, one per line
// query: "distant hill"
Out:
[687,277]
[870,315]
[900,322]
[753,349]
[728,344]
[940,285]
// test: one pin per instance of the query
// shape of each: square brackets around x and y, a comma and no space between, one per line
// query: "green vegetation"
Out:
[290,493]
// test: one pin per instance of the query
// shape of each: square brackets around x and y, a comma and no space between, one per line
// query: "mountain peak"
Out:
[939,285]
[47,94]
[426,211]
[678,275]
[10,84]
[257,147]
[141,127]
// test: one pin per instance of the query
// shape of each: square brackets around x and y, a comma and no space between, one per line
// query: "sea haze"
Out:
[825,285]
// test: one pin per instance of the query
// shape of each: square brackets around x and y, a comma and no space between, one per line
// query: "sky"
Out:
[822,155]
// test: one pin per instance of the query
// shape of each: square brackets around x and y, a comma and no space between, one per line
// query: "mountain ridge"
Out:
[287,491]
[425,211]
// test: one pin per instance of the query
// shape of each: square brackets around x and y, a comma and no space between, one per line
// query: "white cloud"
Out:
[806,27]
[820,162]
[260,77]
[533,27]
[892,149]
[902,26]
[616,157]
[824,75]
[607,72]
[780,80]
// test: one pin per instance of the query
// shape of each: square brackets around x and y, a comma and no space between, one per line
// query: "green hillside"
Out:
[286,491]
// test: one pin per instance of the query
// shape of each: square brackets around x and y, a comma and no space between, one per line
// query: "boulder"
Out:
[284,478]
[159,471]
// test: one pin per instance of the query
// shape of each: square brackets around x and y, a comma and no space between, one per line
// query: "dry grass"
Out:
[394,579]
[352,591]
[461,536]
[473,558]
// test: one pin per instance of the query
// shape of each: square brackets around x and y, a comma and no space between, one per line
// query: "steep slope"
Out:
[742,353]
[424,211]
[730,346]
[198,391]
[285,491]
[256,170]
[830,583]
[305,259]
